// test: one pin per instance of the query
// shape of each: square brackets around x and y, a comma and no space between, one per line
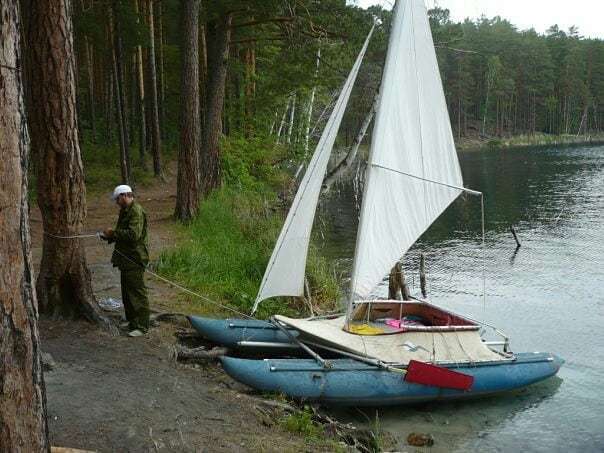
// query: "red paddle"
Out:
[427,374]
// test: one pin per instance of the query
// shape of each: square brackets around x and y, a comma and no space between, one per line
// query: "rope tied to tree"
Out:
[164,279]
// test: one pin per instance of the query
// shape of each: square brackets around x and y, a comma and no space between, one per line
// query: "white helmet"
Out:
[120,190]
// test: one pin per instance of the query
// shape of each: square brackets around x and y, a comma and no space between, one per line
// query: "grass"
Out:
[223,252]
[302,423]
[226,247]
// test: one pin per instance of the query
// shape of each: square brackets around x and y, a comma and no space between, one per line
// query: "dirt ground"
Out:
[119,394]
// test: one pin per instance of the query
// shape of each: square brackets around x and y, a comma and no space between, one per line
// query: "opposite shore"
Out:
[525,140]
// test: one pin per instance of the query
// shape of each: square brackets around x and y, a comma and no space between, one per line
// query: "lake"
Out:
[548,295]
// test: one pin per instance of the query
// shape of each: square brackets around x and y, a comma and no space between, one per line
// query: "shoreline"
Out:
[525,140]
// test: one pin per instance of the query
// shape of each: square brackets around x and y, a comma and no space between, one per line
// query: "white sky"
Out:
[588,15]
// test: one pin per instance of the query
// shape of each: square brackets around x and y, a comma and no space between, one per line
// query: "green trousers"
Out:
[134,297]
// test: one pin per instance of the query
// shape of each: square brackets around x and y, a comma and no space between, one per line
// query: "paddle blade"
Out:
[435,376]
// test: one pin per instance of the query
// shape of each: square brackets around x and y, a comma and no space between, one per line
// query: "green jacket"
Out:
[131,239]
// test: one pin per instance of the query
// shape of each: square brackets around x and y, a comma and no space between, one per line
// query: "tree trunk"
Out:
[397,284]
[89,67]
[142,139]
[282,123]
[162,74]
[63,284]
[119,95]
[249,60]
[109,100]
[203,72]
[334,174]
[218,36]
[187,191]
[23,425]
[292,114]
[152,95]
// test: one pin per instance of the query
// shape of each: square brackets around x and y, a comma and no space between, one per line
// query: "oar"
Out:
[436,376]
[324,363]
[417,372]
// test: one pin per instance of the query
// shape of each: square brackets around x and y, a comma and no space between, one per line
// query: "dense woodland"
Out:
[272,68]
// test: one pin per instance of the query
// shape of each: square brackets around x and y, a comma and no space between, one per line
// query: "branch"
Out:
[457,50]
[12,68]
[263,21]
[244,41]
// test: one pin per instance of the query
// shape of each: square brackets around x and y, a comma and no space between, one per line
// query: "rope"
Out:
[186,290]
[75,236]
[164,279]
[463,189]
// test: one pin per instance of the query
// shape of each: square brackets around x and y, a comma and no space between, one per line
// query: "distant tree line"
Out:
[502,81]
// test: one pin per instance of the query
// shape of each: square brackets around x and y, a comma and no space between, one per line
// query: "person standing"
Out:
[131,257]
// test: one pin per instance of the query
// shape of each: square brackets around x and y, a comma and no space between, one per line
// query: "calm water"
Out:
[547,296]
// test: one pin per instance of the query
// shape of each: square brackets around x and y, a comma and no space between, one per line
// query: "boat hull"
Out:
[232,332]
[352,383]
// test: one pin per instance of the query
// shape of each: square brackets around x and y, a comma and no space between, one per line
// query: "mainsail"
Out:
[284,275]
[413,173]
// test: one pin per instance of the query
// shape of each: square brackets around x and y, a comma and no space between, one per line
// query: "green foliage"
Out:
[252,163]
[302,423]
[102,170]
[228,245]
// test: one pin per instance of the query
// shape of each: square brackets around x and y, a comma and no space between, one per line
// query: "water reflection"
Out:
[453,424]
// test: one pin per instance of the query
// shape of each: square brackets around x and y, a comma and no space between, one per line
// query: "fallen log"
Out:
[182,353]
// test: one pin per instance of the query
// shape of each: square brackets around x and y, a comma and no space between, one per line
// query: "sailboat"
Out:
[381,352]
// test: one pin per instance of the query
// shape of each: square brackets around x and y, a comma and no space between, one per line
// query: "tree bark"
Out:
[187,190]
[203,71]
[108,75]
[249,61]
[337,172]
[292,115]
[218,34]
[311,103]
[23,426]
[63,284]
[152,95]
[90,73]
[120,98]
[142,138]
[162,74]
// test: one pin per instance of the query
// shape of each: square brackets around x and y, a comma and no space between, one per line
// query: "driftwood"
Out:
[308,297]
[422,275]
[182,353]
[363,440]
[334,174]
[513,230]
[397,284]
[167,316]
[187,335]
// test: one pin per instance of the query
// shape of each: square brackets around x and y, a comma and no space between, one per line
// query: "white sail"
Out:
[284,275]
[413,162]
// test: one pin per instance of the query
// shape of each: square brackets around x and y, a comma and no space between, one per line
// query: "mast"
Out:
[413,173]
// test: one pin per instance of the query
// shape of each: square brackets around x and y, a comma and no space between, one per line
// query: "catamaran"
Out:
[380,352]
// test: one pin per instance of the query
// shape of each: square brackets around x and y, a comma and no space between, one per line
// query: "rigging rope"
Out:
[483,232]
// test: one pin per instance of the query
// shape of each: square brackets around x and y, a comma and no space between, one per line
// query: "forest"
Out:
[272,69]
[231,97]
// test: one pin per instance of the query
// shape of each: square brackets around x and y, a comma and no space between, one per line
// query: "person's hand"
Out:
[108,233]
